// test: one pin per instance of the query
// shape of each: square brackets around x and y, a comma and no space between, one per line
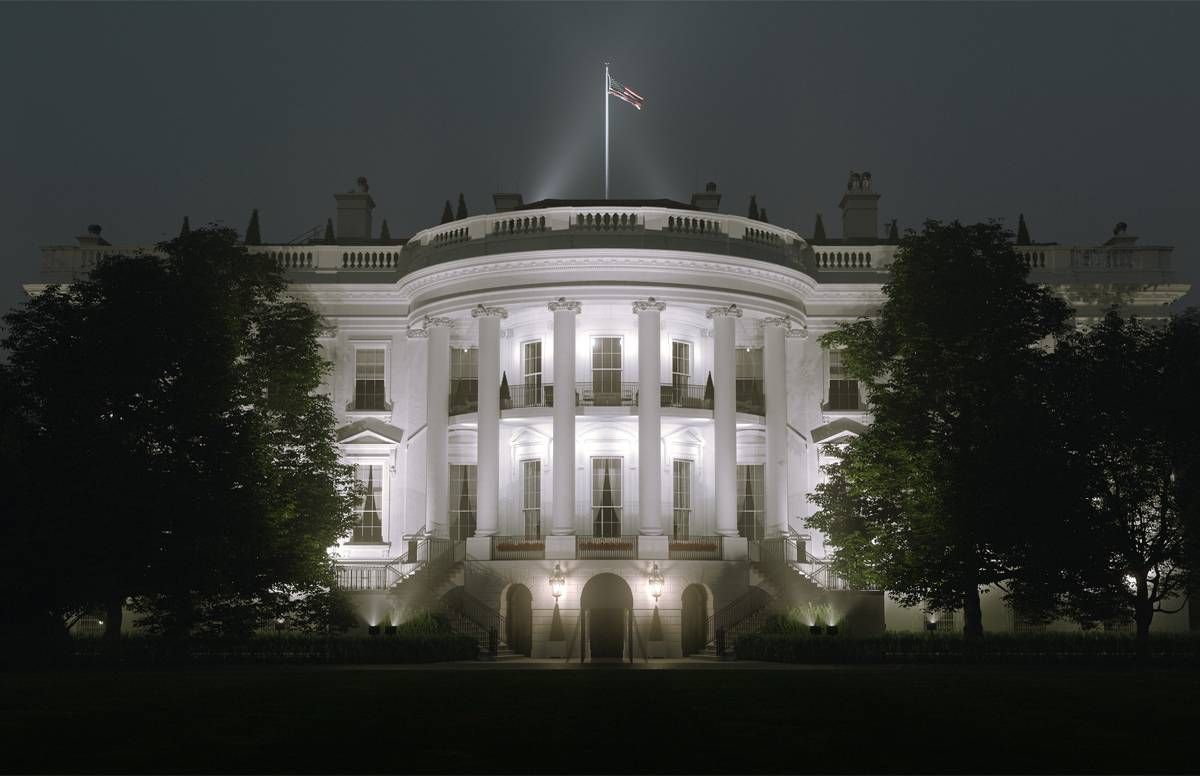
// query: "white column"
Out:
[437,409]
[775,518]
[725,417]
[649,313]
[563,521]
[487,472]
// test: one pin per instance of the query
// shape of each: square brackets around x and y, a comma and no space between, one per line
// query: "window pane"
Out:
[682,497]
[532,358]
[606,496]
[531,477]
[606,369]
[681,364]
[369,524]
[750,500]
[462,501]
[369,379]
[843,391]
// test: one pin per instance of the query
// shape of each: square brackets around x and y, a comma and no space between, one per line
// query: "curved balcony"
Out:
[686,396]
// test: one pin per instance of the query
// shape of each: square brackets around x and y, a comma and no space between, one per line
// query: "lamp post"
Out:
[656,583]
[557,583]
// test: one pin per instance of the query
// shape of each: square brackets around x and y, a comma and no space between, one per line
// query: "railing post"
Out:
[720,642]
[493,641]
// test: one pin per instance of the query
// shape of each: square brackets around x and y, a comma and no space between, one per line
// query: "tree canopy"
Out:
[181,453]
[253,237]
[462,207]
[924,503]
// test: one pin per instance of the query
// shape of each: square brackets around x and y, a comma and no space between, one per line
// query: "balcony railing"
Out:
[695,548]
[606,547]
[685,396]
[518,548]
[523,396]
[606,395]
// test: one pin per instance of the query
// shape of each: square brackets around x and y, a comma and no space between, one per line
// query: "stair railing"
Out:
[727,618]
[489,621]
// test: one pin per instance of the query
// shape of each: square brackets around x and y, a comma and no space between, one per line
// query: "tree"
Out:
[328,238]
[819,230]
[384,233]
[185,229]
[204,477]
[923,502]
[1022,231]
[462,207]
[1125,550]
[753,207]
[762,216]
[893,231]
[447,213]
[252,235]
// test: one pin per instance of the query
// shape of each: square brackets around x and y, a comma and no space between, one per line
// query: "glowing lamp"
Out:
[557,582]
[656,583]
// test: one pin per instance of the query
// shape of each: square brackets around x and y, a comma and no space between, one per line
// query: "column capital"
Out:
[732,311]
[800,333]
[439,321]
[782,321]
[418,333]
[562,304]
[649,304]
[483,311]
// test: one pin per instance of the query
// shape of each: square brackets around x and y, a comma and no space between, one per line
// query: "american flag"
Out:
[620,90]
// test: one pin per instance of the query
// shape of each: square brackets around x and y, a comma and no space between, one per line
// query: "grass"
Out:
[601,719]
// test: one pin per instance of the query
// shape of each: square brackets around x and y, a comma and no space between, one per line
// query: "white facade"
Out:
[553,362]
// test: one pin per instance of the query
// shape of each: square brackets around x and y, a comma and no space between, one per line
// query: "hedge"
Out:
[1023,648]
[406,646]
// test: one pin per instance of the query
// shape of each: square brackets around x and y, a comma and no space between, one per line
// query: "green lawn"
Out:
[602,718]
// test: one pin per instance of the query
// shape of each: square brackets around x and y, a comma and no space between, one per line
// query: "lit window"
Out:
[750,501]
[843,391]
[682,497]
[606,496]
[606,370]
[464,380]
[462,501]
[369,391]
[748,369]
[531,479]
[368,525]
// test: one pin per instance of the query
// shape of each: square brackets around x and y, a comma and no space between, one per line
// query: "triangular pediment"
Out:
[369,431]
[837,428]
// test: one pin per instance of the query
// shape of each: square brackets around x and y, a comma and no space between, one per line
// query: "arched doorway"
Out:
[694,619]
[518,622]
[606,604]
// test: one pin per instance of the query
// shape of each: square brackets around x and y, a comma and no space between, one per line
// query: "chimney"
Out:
[505,202]
[92,237]
[354,213]
[860,209]
[708,200]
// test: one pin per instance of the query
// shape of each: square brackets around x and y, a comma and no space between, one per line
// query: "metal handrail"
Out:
[489,621]
[606,547]
[729,617]
[685,396]
[522,396]
[694,548]
[518,548]
[624,395]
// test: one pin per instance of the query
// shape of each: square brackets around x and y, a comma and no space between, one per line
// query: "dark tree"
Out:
[462,207]
[505,392]
[447,213]
[1022,231]
[762,216]
[893,231]
[328,238]
[205,480]
[186,228]
[384,233]
[709,390]
[753,207]
[252,234]
[1125,553]
[819,230]
[923,502]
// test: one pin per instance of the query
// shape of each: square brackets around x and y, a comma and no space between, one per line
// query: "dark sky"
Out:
[132,115]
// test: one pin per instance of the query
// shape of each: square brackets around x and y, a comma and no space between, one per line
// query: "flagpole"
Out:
[606,130]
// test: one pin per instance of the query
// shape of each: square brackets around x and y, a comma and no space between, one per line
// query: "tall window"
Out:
[682,496]
[368,379]
[606,496]
[532,362]
[368,525]
[843,391]
[750,500]
[464,379]
[462,501]
[606,370]
[531,502]
[749,380]
[681,367]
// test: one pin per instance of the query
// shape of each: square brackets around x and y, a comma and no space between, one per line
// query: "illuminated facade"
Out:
[599,392]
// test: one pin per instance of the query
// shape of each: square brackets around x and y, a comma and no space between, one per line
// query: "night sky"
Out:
[133,115]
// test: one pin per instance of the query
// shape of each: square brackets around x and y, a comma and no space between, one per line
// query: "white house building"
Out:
[592,425]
